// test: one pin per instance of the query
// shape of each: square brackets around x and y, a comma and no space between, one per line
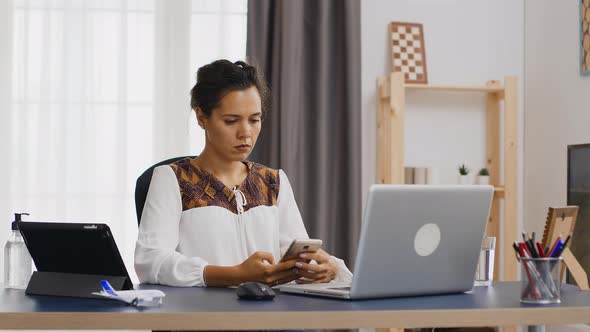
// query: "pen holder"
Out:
[541,282]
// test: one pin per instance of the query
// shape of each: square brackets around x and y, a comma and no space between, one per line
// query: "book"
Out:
[408,175]
[420,175]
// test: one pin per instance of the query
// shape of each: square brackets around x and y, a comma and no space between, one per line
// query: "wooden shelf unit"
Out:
[391,95]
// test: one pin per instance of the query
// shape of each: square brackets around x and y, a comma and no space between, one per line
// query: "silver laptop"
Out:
[415,240]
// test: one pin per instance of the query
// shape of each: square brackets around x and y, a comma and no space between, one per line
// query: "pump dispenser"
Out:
[18,265]
[17,219]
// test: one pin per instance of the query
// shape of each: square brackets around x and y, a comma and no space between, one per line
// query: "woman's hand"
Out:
[324,271]
[256,268]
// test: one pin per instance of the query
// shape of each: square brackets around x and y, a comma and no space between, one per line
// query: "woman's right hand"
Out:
[256,268]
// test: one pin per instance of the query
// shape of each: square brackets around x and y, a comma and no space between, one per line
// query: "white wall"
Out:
[557,103]
[5,123]
[467,43]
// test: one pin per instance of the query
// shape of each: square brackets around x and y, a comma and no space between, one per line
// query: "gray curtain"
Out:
[309,52]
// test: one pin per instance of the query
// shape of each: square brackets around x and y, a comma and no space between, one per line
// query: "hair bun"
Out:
[216,79]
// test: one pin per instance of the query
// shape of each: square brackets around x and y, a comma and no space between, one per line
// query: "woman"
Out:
[217,220]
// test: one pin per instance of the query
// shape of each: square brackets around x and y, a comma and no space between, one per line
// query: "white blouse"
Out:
[178,238]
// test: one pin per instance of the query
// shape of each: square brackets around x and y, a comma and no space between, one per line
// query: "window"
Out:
[85,109]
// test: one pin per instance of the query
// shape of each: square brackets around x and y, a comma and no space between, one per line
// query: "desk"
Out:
[211,309]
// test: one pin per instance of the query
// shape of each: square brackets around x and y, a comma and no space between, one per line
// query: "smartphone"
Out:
[299,246]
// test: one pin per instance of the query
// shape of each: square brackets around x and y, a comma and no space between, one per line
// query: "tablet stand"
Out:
[73,284]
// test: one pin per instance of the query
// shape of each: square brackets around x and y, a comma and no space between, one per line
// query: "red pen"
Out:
[540,249]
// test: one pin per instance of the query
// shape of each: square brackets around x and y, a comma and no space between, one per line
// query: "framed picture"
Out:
[560,223]
[408,54]
[584,37]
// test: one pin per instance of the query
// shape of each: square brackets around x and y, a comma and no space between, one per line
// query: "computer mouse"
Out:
[254,291]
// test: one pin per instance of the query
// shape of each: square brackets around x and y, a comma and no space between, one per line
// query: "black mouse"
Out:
[254,291]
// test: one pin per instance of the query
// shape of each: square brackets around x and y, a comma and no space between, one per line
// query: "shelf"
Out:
[494,87]
[501,126]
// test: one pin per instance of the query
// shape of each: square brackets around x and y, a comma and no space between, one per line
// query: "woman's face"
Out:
[232,129]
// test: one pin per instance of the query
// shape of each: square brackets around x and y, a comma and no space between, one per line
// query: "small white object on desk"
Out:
[136,298]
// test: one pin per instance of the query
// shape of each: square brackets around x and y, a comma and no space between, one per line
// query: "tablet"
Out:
[74,248]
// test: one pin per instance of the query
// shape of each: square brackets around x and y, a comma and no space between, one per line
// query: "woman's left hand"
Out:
[324,271]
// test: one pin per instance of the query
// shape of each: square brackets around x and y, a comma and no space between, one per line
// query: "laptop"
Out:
[415,240]
[74,248]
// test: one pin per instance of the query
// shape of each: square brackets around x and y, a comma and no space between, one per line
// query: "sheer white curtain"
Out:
[92,93]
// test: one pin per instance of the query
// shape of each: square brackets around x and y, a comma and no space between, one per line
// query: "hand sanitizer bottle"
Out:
[18,265]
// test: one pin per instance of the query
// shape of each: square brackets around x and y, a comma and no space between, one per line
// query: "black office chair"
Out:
[143,184]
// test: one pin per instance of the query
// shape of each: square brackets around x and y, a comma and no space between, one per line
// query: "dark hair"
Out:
[220,77]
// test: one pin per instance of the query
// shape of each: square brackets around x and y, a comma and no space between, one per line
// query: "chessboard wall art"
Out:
[407,51]
[584,37]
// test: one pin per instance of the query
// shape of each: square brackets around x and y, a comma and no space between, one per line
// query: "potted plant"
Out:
[463,174]
[483,177]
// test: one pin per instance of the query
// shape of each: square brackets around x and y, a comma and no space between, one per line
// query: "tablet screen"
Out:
[73,248]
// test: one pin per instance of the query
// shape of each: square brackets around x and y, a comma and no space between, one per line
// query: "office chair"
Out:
[143,184]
